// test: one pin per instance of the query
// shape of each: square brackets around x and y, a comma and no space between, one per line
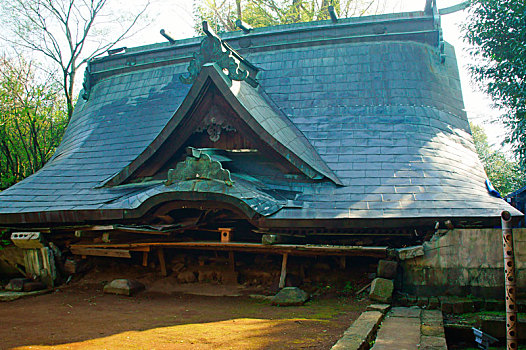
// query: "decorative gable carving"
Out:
[213,51]
[214,122]
[198,165]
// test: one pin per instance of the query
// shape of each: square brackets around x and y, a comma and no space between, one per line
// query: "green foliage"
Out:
[33,118]
[505,175]
[497,30]
[222,15]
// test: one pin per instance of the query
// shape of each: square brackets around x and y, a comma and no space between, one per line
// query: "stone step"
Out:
[411,328]
[361,332]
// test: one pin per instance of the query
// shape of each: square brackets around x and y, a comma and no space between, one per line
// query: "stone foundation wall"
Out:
[464,262]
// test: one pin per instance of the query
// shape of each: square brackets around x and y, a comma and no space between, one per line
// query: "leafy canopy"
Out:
[497,31]
[33,118]
[505,175]
[222,14]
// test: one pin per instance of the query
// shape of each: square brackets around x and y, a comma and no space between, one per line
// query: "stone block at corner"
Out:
[410,252]
[387,269]
[290,296]
[381,290]
[123,287]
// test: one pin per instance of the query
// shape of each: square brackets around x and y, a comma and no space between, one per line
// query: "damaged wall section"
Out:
[464,262]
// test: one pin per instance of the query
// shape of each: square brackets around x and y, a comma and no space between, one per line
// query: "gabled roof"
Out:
[269,124]
[374,102]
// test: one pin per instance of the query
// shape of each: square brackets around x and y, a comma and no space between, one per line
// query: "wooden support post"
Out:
[342,262]
[283,275]
[232,261]
[160,254]
[144,259]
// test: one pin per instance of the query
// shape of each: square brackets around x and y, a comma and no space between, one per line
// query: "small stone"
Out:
[290,296]
[410,252]
[17,284]
[381,290]
[186,277]
[123,287]
[387,269]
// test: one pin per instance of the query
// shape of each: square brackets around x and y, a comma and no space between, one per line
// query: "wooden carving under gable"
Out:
[198,166]
[214,122]
[213,51]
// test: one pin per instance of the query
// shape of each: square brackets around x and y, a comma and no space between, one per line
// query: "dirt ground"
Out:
[82,317]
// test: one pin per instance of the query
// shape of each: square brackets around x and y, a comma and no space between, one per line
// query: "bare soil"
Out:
[80,316]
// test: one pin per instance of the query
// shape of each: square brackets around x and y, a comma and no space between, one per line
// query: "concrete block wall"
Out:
[464,262]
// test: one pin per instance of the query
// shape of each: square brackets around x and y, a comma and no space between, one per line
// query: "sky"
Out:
[177,18]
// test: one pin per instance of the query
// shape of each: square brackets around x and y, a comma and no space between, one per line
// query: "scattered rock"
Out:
[17,284]
[381,290]
[290,296]
[186,277]
[209,276]
[123,287]
[387,269]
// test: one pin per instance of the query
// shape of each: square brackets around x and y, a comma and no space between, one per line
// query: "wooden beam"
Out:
[115,253]
[283,274]
[160,255]
[343,262]
[297,250]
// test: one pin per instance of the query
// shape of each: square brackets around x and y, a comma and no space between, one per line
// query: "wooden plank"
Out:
[115,253]
[283,274]
[160,255]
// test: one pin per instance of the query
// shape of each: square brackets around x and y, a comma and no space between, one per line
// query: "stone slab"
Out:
[383,308]
[360,333]
[411,312]
[398,333]
[433,342]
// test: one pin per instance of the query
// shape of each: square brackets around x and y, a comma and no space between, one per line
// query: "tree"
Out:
[497,31]
[32,120]
[505,175]
[222,14]
[67,32]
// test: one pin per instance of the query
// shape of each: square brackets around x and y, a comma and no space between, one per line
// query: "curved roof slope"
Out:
[371,95]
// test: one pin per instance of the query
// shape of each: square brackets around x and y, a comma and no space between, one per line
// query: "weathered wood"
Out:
[297,250]
[160,255]
[109,252]
[144,259]
[283,274]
